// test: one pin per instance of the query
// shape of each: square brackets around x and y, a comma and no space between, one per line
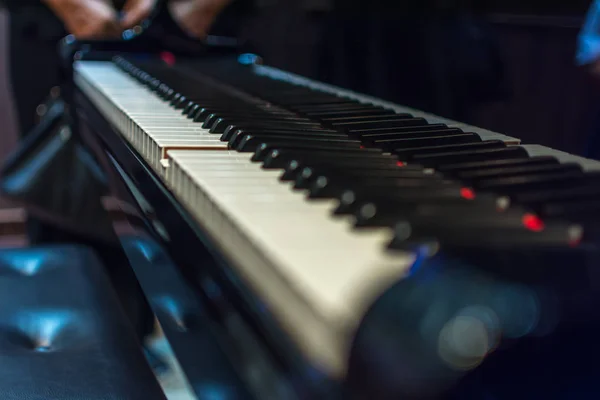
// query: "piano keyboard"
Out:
[322,198]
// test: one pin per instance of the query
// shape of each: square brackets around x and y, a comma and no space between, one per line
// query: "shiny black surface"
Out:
[439,186]
[64,334]
[217,294]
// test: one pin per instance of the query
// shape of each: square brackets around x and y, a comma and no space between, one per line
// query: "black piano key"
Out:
[490,173]
[338,116]
[278,158]
[392,200]
[408,132]
[428,217]
[188,107]
[219,123]
[426,141]
[204,112]
[240,135]
[293,161]
[231,133]
[533,234]
[264,149]
[281,158]
[536,182]
[193,111]
[501,163]
[581,211]
[299,102]
[344,164]
[489,151]
[356,119]
[250,142]
[179,102]
[309,174]
[388,211]
[324,186]
[409,128]
[221,127]
[534,198]
[317,108]
[409,154]
[252,114]
[397,121]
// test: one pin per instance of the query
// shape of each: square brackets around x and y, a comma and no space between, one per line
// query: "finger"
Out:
[135,11]
[98,30]
[192,17]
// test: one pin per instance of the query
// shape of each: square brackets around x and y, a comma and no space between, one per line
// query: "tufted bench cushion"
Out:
[63,334]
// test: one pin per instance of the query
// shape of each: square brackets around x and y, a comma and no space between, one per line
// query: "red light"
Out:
[533,223]
[400,164]
[467,193]
[362,147]
[168,58]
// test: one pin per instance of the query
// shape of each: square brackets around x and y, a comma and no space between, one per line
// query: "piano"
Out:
[340,246]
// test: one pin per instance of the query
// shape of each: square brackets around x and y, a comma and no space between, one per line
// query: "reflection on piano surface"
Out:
[376,246]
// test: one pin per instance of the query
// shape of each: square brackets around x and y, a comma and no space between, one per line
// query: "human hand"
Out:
[87,19]
[196,17]
[135,11]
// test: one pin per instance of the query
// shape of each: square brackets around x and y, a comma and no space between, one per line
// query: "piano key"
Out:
[425,141]
[378,121]
[221,124]
[323,108]
[279,75]
[536,150]
[322,186]
[483,174]
[408,132]
[535,182]
[253,116]
[203,112]
[339,164]
[237,125]
[552,235]
[232,130]
[264,149]
[280,158]
[491,150]
[400,129]
[501,163]
[241,134]
[290,247]
[151,134]
[336,294]
[251,142]
[399,121]
[332,116]
[579,192]
[582,211]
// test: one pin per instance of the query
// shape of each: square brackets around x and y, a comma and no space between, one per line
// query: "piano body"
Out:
[333,245]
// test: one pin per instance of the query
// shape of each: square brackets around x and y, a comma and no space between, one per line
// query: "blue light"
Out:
[128,34]
[248,59]
[213,392]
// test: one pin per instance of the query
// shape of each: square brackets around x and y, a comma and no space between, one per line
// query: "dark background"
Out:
[553,101]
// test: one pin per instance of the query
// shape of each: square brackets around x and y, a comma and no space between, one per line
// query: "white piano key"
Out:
[317,274]
[127,104]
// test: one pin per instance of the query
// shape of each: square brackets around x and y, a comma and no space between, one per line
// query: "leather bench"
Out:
[63,334]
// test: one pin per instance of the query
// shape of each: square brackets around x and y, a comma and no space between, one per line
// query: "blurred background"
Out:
[544,98]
